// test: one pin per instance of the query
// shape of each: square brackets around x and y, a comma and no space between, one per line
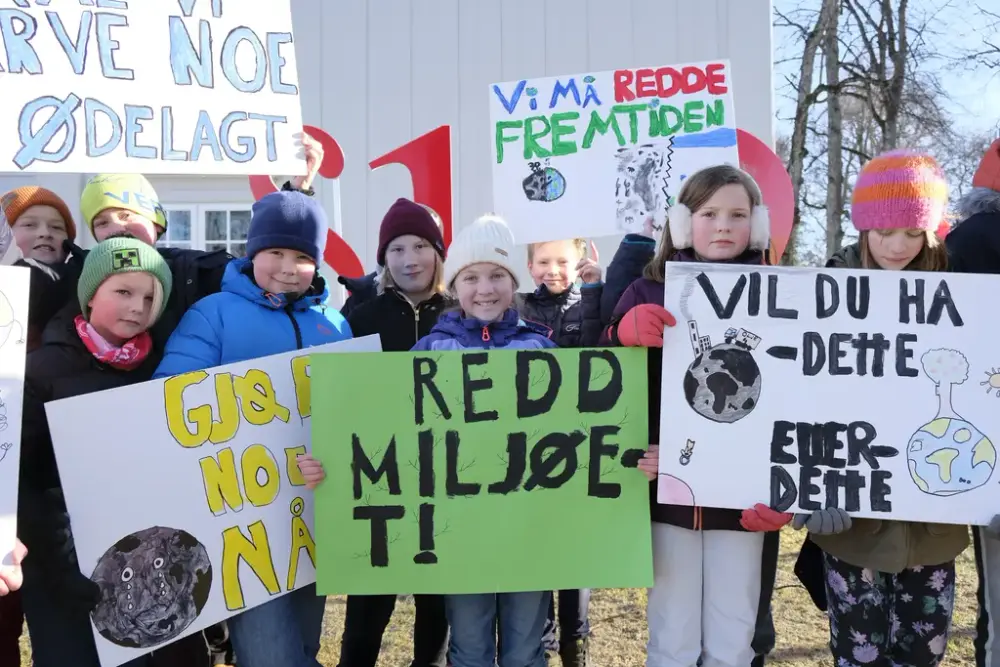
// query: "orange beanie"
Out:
[16,202]
[988,174]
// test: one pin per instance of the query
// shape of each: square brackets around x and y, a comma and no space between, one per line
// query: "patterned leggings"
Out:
[889,620]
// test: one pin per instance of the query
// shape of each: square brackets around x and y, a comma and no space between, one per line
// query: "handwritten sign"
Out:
[158,86]
[599,154]
[872,391]
[495,471]
[198,510]
[13,329]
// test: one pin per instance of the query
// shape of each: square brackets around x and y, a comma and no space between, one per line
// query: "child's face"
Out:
[554,264]
[283,271]
[40,232]
[721,227]
[411,261]
[484,291]
[894,249]
[122,307]
[113,220]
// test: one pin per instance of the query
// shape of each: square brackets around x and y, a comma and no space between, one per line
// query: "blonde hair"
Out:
[384,280]
[434,216]
[698,188]
[157,310]
[579,244]
[932,257]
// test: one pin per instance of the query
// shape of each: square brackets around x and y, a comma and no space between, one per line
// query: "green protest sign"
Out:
[473,472]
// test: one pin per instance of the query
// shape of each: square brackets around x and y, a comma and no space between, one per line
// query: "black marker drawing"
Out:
[4,448]
[687,453]
[723,382]
[992,382]
[154,584]
[949,454]
[3,416]
[641,186]
[8,322]
[544,183]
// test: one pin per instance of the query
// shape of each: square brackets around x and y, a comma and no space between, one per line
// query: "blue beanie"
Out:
[290,220]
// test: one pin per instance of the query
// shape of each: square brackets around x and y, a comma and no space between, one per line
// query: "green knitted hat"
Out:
[122,254]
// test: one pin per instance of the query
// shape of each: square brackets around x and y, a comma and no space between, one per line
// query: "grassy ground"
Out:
[618,620]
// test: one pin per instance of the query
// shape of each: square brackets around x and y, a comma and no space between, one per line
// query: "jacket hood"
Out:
[238,280]
[848,257]
[358,284]
[542,294]
[470,329]
[979,200]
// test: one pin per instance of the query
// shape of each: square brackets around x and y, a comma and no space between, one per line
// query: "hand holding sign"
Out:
[314,160]
[11,576]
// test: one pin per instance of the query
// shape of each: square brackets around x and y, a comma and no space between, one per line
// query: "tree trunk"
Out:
[835,132]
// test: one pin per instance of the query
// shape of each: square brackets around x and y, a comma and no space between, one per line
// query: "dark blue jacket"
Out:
[634,252]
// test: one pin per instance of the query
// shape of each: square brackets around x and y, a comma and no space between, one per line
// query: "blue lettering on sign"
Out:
[21,56]
[167,136]
[134,114]
[187,7]
[559,90]
[511,104]
[204,135]
[91,108]
[33,144]
[184,60]
[275,61]
[76,51]
[229,46]
[272,150]
[107,46]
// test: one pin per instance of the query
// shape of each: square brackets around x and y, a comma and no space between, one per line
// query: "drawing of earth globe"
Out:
[556,184]
[950,455]
[723,383]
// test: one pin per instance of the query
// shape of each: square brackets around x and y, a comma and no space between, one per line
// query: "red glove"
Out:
[643,325]
[762,519]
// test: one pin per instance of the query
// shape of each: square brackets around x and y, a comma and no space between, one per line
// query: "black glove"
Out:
[73,266]
[77,591]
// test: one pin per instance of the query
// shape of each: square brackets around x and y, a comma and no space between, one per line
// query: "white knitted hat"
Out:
[488,239]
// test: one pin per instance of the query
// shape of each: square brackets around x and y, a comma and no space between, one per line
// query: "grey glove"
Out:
[829,521]
[993,530]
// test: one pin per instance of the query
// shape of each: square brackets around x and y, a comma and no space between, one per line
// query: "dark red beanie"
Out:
[407,217]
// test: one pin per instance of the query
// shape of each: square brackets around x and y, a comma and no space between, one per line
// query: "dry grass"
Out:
[618,620]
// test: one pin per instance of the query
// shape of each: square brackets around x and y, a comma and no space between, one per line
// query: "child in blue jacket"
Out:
[272,301]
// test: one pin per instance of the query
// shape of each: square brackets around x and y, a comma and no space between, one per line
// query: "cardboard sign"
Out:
[872,391]
[13,330]
[482,471]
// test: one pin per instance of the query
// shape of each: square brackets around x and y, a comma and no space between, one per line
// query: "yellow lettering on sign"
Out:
[222,486]
[295,477]
[255,552]
[225,429]
[258,459]
[260,405]
[301,538]
[177,416]
[303,385]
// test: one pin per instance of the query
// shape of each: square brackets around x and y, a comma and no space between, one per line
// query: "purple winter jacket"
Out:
[453,331]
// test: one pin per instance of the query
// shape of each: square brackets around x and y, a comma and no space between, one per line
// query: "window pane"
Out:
[215,226]
[179,225]
[212,247]
[238,249]
[239,224]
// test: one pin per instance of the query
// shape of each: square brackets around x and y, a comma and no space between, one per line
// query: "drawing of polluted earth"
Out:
[154,584]
[949,455]
[723,382]
[641,186]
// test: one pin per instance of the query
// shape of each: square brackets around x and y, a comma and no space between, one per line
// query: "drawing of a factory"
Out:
[739,337]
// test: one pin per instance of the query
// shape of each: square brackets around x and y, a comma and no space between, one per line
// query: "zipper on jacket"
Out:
[486,334]
[416,323]
[295,325]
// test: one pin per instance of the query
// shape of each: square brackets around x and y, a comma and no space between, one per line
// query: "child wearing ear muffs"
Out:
[707,562]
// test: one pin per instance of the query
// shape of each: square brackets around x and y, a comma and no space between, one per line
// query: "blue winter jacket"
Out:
[455,332]
[244,322]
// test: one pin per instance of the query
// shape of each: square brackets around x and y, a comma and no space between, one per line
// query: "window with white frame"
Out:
[207,227]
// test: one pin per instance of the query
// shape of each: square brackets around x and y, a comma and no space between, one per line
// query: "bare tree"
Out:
[987,54]
[835,135]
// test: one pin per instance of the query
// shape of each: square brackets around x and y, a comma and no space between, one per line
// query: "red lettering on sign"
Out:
[623,79]
[715,75]
[668,81]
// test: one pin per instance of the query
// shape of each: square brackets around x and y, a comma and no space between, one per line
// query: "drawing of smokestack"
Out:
[695,338]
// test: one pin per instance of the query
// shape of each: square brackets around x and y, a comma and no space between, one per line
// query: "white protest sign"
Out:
[14,283]
[872,391]
[190,508]
[598,154]
[156,87]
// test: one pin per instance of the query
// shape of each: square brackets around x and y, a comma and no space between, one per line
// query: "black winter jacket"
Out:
[395,320]
[61,368]
[974,244]
[574,316]
[362,290]
[633,254]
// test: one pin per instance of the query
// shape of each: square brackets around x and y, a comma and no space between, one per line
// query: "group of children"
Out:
[142,312]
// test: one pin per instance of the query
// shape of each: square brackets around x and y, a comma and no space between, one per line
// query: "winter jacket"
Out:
[398,323]
[974,243]
[453,331]
[60,368]
[643,291]
[574,315]
[362,290]
[245,322]
[884,545]
[633,254]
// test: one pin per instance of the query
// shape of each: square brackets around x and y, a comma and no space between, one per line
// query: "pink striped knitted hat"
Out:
[899,189]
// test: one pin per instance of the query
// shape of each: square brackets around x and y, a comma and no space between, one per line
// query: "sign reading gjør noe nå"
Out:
[482,471]
[188,508]
[872,391]
[604,153]
[158,86]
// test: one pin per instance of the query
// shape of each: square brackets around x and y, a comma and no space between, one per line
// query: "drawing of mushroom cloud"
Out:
[949,455]
[154,584]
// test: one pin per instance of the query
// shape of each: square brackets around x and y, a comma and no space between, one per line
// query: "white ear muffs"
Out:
[760,228]
[679,225]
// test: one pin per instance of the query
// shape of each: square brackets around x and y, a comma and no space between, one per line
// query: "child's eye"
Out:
[396,249]
[124,292]
[149,299]
[709,214]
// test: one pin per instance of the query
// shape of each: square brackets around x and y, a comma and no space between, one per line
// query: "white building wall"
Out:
[377,73]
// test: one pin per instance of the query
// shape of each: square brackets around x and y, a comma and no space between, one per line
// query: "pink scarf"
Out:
[132,353]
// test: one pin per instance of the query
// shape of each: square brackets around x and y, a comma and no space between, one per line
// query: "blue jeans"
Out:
[284,632]
[474,621]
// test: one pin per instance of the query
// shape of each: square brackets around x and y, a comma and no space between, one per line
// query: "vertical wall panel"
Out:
[753,84]
[654,26]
